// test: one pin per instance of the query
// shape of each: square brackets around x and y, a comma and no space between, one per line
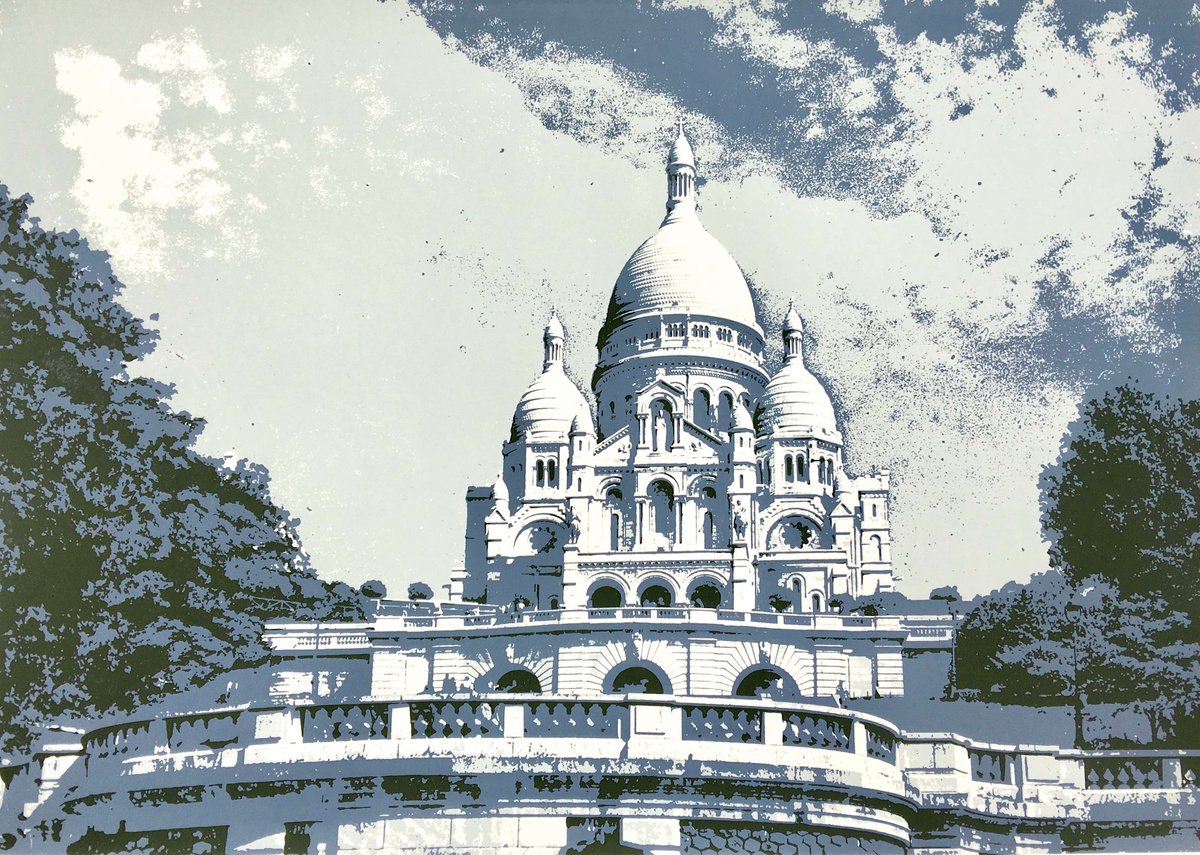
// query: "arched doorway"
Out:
[638,680]
[519,681]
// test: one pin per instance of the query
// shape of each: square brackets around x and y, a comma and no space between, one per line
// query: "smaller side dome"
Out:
[795,402]
[552,403]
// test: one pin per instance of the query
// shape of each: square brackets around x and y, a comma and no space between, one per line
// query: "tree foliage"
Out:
[1120,511]
[1122,505]
[130,565]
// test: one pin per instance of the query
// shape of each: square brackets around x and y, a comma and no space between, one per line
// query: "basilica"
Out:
[651,647]
[701,480]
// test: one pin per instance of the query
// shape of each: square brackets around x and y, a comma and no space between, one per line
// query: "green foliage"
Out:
[1120,510]
[1123,503]
[420,591]
[373,589]
[130,565]
[949,593]
[1015,644]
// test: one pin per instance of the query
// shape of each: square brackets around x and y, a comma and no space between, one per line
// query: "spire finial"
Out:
[681,173]
[793,333]
[554,341]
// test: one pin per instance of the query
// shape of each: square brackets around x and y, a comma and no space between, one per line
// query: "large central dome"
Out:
[681,269]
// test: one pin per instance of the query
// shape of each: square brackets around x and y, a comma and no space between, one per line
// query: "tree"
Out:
[373,589]
[420,591]
[130,565]
[948,593]
[1015,645]
[1122,504]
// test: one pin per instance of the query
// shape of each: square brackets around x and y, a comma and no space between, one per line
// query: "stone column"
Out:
[743,579]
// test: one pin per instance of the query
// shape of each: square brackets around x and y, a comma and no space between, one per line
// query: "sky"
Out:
[348,222]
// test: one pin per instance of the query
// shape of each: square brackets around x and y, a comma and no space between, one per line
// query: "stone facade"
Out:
[701,479]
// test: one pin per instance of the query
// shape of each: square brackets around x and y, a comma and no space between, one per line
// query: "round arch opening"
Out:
[606,596]
[519,681]
[705,595]
[655,596]
[767,682]
[639,680]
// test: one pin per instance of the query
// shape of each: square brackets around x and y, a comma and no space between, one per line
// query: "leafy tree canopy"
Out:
[420,591]
[131,566]
[1115,622]
[1122,505]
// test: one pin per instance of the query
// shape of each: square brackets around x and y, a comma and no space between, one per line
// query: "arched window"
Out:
[788,473]
[800,476]
[705,596]
[796,585]
[766,683]
[816,601]
[702,409]
[874,509]
[638,680]
[552,472]
[876,551]
[614,532]
[540,469]
[519,681]
[724,411]
[709,529]
[656,595]
[554,602]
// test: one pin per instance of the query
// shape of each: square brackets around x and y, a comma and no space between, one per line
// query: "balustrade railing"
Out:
[213,731]
[880,743]
[816,731]
[580,720]
[344,722]
[991,767]
[722,724]
[1123,773]
[447,719]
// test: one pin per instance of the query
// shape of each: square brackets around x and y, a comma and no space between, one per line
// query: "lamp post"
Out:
[1073,611]
[952,683]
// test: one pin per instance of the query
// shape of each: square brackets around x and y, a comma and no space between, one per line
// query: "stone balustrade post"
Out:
[858,737]
[1071,772]
[1172,773]
[513,720]
[655,722]
[772,727]
[399,721]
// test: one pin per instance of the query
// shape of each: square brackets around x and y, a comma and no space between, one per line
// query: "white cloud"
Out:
[134,173]
[185,63]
